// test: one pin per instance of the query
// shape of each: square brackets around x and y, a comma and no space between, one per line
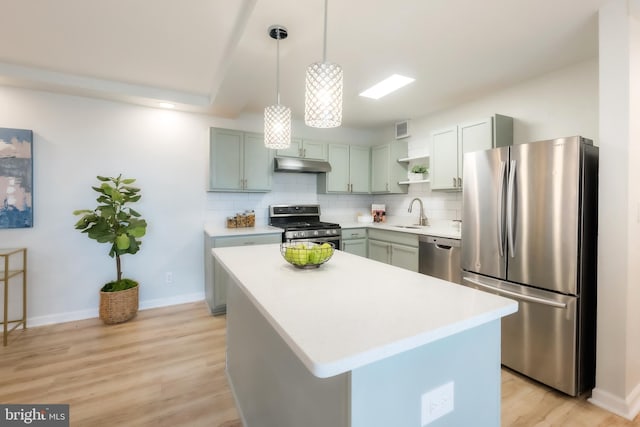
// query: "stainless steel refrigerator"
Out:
[529,232]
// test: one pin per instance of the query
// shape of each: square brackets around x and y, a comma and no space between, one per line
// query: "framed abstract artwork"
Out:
[16,178]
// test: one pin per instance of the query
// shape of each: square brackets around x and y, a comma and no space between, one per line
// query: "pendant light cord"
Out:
[278,67]
[324,49]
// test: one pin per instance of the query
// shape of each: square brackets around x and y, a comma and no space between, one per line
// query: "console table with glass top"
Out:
[11,267]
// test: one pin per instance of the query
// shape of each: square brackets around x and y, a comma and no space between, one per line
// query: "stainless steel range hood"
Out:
[292,164]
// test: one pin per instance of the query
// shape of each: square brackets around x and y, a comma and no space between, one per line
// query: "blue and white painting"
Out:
[16,178]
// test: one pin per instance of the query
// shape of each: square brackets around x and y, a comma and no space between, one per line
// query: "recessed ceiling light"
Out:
[167,105]
[386,86]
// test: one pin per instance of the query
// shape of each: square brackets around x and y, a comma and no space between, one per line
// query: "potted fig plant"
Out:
[115,223]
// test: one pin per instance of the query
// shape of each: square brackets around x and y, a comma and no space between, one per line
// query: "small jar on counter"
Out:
[251,218]
[231,222]
[241,220]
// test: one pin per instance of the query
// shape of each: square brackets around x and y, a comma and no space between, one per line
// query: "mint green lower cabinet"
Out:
[379,251]
[239,161]
[215,288]
[405,257]
[356,247]
[354,241]
[395,248]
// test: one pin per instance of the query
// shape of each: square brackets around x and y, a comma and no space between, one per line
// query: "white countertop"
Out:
[216,231]
[436,228]
[353,311]
[439,229]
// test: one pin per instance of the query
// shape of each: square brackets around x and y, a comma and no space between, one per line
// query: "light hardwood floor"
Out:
[166,368]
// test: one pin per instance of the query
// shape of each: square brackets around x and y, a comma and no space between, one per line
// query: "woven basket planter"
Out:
[119,306]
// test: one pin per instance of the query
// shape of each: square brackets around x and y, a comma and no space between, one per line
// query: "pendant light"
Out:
[323,90]
[277,118]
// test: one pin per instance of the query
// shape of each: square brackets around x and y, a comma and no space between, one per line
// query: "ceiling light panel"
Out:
[386,86]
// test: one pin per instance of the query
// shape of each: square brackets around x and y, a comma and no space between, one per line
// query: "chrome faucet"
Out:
[423,217]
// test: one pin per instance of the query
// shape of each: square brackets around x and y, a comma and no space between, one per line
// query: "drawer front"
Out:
[354,233]
[394,237]
[258,239]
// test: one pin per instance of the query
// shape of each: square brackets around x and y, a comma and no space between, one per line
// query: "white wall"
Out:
[76,139]
[618,347]
[561,103]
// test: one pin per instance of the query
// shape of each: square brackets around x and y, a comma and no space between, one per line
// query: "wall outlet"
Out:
[168,277]
[437,402]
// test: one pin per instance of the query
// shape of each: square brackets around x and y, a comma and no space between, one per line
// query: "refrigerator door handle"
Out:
[503,169]
[510,201]
[522,297]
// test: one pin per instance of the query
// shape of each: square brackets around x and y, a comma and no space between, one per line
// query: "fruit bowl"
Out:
[306,254]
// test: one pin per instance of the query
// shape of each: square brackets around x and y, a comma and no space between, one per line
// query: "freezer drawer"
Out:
[440,257]
[540,340]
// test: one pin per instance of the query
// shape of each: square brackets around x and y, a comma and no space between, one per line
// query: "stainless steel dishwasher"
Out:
[440,257]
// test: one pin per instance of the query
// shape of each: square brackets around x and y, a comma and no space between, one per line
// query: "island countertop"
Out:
[353,311]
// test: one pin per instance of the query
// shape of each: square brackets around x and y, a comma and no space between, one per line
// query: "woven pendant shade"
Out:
[323,95]
[323,90]
[277,127]
[277,118]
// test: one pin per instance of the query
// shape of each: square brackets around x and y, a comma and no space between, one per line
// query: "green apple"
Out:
[326,251]
[315,255]
[289,254]
[299,255]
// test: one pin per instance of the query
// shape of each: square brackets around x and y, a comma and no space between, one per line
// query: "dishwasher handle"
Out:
[440,242]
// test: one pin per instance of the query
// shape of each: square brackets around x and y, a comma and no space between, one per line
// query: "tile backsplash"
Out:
[300,188]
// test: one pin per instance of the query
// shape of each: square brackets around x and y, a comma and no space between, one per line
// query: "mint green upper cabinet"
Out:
[305,148]
[350,168]
[294,150]
[450,145]
[386,171]
[395,248]
[258,163]
[338,179]
[444,159]
[316,150]
[359,168]
[225,169]
[239,161]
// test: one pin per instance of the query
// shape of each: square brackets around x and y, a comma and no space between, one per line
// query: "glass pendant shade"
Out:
[323,95]
[277,127]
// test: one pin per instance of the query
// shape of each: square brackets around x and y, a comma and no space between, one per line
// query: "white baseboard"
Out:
[69,316]
[178,299]
[93,313]
[628,407]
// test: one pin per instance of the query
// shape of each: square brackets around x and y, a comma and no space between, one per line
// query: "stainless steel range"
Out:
[302,223]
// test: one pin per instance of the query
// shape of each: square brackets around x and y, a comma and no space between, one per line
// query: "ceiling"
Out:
[215,57]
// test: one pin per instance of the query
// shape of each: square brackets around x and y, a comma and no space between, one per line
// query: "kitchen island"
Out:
[357,343]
